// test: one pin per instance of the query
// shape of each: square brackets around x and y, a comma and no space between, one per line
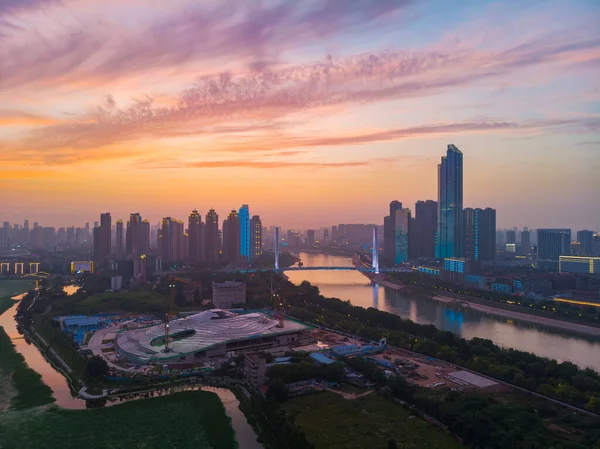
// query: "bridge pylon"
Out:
[276,248]
[375,255]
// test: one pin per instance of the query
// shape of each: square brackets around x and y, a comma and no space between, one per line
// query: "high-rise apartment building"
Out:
[212,242]
[171,242]
[256,237]
[244,220]
[450,204]
[231,237]
[511,237]
[585,238]
[479,233]
[389,234]
[525,247]
[102,239]
[195,238]
[422,230]
[402,224]
[552,243]
[119,240]
[310,238]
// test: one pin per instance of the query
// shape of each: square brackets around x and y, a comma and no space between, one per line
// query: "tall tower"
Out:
[256,240]
[389,233]
[171,240]
[231,237]
[479,233]
[375,251]
[211,237]
[551,244]
[450,204]
[244,220]
[195,225]
[276,248]
[119,248]
[402,220]
[102,239]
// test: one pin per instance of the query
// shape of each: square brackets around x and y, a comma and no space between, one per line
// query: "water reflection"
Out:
[355,287]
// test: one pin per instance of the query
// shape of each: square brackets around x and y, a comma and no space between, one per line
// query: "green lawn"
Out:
[10,288]
[135,302]
[26,386]
[193,419]
[332,422]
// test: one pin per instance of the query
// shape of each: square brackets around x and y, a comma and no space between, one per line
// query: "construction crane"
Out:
[169,316]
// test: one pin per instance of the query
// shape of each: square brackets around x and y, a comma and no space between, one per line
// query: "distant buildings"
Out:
[479,233]
[552,243]
[171,241]
[231,237]
[579,265]
[423,229]
[244,233]
[401,223]
[310,238]
[226,294]
[102,238]
[586,239]
[596,245]
[525,242]
[195,253]
[389,234]
[450,204]
[256,237]
[212,242]
[119,240]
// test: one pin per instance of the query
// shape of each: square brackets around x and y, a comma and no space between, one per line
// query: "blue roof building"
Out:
[85,324]
[320,359]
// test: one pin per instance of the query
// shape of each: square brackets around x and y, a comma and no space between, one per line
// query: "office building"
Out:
[525,247]
[579,265]
[585,238]
[596,245]
[450,204]
[511,237]
[226,294]
[102,239]
[310,238]
[389,233]
[171,242]
[422,230]
[244,221]
[293,239]
[137,236]
[119,240]
[577,249]
[255,369]
[231,237]
[479,233]
[401,223]
[256,237]
[212,241]
[195,238]
[552,243]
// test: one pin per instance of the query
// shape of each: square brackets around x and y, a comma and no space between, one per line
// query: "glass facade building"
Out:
[450,234]
[402,221]
[552,243]
[244,218]
[479,226]
[579,265]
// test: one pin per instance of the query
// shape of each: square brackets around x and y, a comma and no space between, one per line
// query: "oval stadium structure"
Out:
[206,334]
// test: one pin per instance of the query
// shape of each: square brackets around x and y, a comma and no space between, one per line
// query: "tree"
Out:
[392,444]
[277,390]
[334,372]
[594,404]
[179,296]
[96,367]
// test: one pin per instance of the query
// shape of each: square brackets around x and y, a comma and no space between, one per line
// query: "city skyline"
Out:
[312,113]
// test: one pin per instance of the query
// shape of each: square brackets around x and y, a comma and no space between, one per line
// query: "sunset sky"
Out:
[314,112]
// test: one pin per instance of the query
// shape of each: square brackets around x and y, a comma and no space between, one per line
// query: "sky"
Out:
[313,113]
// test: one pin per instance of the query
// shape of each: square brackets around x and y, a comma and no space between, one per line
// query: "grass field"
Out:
[23,384]
[192,419]
[10,288]
[332,422]
[135,302]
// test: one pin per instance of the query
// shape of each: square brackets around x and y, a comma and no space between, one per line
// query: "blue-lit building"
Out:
[479,227]
[475,280]
[429,270]
[454,265]
[450,204]
[501,287]
[551,244]
[245,234]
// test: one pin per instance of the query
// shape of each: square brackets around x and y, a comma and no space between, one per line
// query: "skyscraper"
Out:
[585,238]
[389,233]
[102,239]
[310,238]
[133,235]
[552,243]
[511,236]
[423,229]
[119,248]
[402,220]
[596,245]
[171,242]
[450,204]
[525,242]
[244,220]
[231,237]
[256,240]
[479,233]
[212,242]
[195,240]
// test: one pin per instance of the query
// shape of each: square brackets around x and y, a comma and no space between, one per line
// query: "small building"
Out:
[226,294]
[579,265]
[82,266]
[255,369]
[116,283]
[320,359]
[81,324]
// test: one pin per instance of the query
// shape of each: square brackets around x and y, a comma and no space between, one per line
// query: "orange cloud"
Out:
[19,118]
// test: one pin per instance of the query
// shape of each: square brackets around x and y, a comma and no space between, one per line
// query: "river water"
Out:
[244,433]
[354,287]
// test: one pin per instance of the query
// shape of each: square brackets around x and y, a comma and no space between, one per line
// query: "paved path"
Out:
[349,396]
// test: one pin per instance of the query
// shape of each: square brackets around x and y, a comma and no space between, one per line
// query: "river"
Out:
[354,287]
[244,433]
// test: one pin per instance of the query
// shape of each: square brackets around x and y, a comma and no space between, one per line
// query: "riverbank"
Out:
[523,317]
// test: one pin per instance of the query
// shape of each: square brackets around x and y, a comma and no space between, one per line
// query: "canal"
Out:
[354,287]
[245,435]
